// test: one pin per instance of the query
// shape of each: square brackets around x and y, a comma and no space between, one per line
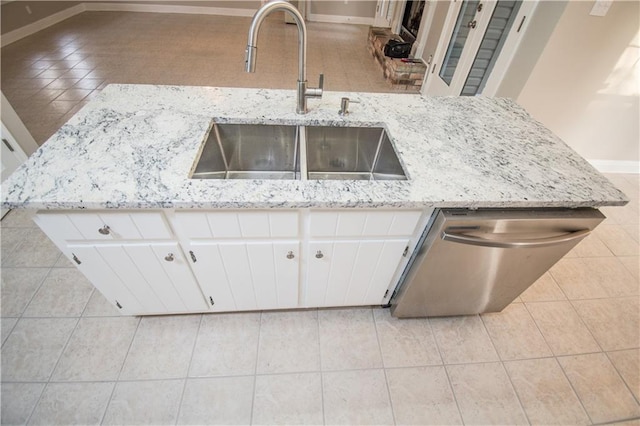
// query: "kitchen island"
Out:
[114,191]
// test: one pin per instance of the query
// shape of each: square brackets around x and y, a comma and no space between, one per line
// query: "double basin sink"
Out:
[259,151]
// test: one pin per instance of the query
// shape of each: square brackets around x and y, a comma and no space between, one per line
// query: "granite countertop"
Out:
[134,146]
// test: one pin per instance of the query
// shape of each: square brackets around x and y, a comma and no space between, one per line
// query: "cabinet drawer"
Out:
[238,224]
[103,225]
[364,223]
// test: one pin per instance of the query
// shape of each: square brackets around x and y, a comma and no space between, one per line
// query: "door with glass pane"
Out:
[472,45]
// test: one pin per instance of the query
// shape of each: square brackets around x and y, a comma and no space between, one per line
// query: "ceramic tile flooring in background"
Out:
[567,351]
[50,75]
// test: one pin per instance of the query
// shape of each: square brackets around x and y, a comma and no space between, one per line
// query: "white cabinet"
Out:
[159,262]
[240,276]
[140,278]
[243,259]
[124,256]
[351,273]
[355,254]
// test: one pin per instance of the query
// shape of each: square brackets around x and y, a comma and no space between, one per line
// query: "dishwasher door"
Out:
[475,261]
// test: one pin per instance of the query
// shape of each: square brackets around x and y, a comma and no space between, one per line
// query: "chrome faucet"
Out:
[304,92]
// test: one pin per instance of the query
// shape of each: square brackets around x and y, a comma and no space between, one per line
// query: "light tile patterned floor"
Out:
[49,76]
[566,352]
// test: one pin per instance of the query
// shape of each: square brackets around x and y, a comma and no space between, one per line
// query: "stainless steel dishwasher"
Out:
[475,261]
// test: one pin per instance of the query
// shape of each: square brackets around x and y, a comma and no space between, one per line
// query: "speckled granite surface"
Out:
[134,146]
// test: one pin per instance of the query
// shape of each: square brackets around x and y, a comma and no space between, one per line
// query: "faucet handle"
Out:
[315,92]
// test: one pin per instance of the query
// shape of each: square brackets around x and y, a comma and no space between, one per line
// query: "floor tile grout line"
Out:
[446,371]
[629,296]
[584,323]
[575,392]
[286,373]
[186,378]
[617,422]
[10,331]
[633,395]
[567,354]
[324,416]
[384,370]
[557,283]
[255,369]
[106,406]
[513,388]
[515,391]
[113,391]
[64,347]
[33,409]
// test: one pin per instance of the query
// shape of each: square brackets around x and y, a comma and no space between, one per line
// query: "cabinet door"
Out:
[141,278]
[351,273]
[248,276]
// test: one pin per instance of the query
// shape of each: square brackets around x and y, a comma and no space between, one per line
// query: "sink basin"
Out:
[260,151]
[361,153]
[249,151]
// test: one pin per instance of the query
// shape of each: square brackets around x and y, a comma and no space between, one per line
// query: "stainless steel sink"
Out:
[249,151]
[361,153]
[258,151]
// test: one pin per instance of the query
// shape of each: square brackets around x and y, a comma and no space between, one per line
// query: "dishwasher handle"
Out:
[541,242]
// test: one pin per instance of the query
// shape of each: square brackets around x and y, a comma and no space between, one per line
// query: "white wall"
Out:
[537,33]
[585,85]
[17,14]
[360,8]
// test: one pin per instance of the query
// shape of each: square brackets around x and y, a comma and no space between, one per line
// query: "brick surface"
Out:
[401,76]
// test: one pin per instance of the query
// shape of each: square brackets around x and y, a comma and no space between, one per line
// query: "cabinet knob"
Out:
[290,255]
[319,254]
[105,230]
[169,257]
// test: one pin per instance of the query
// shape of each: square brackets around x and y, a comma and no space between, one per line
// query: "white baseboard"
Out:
[339,19]
[160,8]
[613,166]
[43,23]
[34,27]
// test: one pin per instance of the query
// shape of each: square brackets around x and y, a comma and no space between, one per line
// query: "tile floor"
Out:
[566,352]
[48,76]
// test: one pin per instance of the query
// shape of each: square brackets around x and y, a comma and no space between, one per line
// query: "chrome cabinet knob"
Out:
[319,254]
[169,257]
[105,230]
[290,255]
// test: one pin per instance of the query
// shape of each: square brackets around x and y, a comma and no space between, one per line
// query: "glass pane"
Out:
[458,39]
[501,21]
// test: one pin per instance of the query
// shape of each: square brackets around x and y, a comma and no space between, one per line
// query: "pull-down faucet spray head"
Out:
[250,58]
[251,52]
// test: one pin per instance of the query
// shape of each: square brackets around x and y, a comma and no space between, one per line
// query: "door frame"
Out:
[423,32]
[507,53]
[384,8]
